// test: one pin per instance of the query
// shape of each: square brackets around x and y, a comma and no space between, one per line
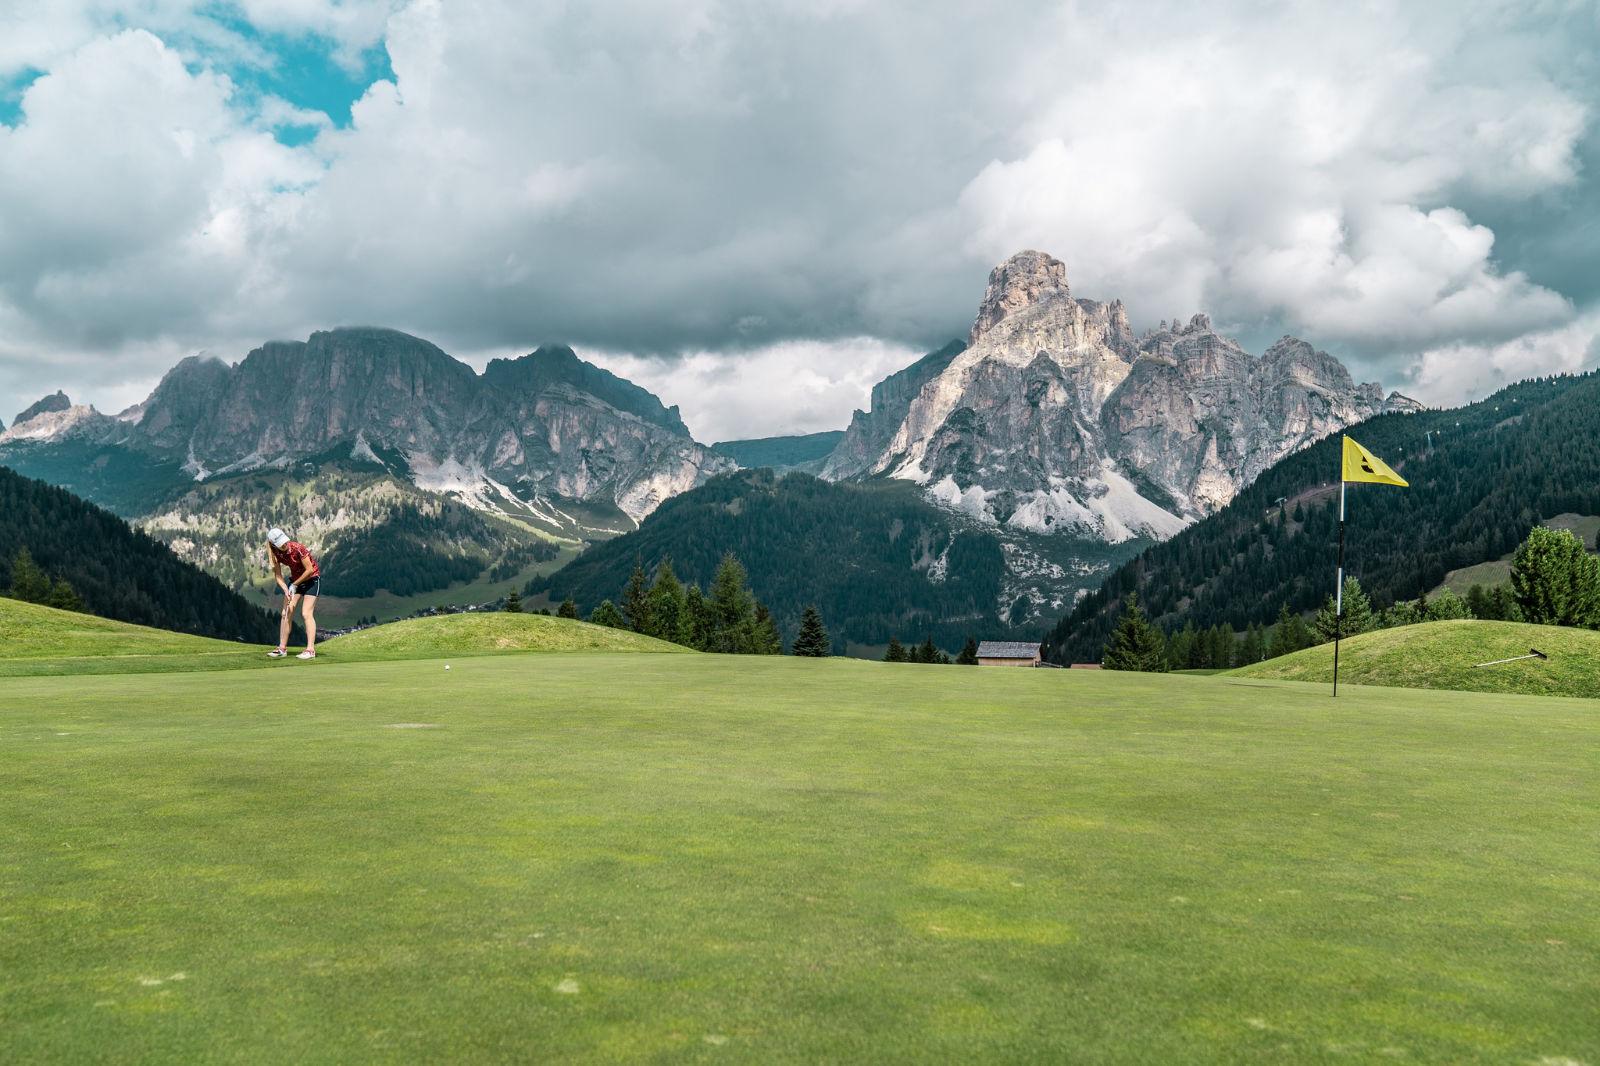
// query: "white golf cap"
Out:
[277,537]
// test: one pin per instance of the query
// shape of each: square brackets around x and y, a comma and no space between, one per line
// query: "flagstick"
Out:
[1338,608]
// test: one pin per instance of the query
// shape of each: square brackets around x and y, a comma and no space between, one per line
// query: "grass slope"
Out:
[486,634]
[1443,655]
[702,858]
[35,640]
[43,641]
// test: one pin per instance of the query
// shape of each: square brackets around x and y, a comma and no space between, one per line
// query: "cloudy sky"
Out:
[757,209]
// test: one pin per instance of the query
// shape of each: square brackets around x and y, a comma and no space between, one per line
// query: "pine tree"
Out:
[1478,602]
[636,601]
[1358,616]
[1135,644]
[1281,643]
[28,582]
[63,597]
[607,615]
[1556,582]
[766,639]
[1299,634]
[731,606]
[926,652]
[665,606]
[1404,613]
[1253,648]
[695,624]
[1447,605]
[1504,605]
[969,653]
[813,638]
[1181,647]
[513,604]
[568,608]
[896,652]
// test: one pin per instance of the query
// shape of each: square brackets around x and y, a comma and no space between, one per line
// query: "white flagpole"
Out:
[1338,594]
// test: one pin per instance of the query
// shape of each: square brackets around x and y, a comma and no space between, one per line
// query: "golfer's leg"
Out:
[288,620]
[308,612]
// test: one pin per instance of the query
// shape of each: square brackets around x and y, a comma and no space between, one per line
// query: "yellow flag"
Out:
[1362,465]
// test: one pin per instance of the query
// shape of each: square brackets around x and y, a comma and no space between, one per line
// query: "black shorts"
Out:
[311,586]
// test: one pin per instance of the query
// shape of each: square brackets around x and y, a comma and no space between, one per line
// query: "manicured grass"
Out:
[703,858]
[1444,655]
[43,641]
[487,634]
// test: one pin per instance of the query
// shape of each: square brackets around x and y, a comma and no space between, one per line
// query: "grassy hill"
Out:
[686,858]
[44,640]
[488,634]
[41,640]
[1443,655]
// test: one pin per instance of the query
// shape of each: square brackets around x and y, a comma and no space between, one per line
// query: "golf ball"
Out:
[447,666]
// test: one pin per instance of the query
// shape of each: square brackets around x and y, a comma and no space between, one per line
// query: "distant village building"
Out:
[1007,653]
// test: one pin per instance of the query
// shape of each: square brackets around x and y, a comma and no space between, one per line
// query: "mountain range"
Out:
[1480,477]
[1054,430]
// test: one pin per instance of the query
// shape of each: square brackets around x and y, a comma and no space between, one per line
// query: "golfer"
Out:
[305,582]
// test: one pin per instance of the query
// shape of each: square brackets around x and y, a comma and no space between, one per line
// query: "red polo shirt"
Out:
[295,557]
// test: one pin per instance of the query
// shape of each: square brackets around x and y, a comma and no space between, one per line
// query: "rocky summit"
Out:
[1057,417]
[528,433]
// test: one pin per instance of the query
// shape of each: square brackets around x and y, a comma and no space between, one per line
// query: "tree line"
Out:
[1554,581]
[726,617]
[862,554]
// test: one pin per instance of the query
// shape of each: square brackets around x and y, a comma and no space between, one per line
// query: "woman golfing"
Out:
[305,582]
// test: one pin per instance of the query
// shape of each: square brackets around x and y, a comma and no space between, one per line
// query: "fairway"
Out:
[607,857]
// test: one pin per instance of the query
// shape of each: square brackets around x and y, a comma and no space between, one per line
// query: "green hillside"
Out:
[32,635]
[782,453]
[487,633]
[1498,571]
[1480,475]
[44,641]
[864,554]
[696,858]
[1444,655]
[119,572]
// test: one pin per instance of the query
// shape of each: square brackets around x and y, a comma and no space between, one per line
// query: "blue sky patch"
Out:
[11,90]
[306,70]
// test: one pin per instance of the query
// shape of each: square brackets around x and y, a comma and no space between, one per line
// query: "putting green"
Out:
[1445,655]
[702,858]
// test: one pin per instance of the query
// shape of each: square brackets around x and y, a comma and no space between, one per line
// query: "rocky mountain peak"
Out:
[1058,419]
[553,366]
[1025,279]
[56,401]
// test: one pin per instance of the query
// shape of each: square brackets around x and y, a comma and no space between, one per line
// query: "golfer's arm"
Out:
[304,575]
[277,571]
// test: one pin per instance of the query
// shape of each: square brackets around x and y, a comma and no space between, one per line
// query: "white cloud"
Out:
[707,177]
[790,387]
[1299,170]
[1455,373]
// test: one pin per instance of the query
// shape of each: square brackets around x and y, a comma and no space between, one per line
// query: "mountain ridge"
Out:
[1056,416]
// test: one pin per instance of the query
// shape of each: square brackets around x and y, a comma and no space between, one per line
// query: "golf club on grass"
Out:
[1533,653]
